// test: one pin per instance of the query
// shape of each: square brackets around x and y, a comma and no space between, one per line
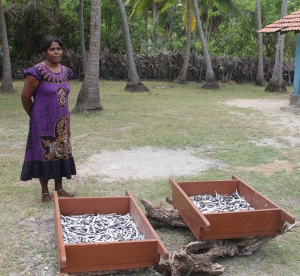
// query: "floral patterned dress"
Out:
[48,151]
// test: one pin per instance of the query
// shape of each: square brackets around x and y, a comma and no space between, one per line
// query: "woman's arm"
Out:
[30,85]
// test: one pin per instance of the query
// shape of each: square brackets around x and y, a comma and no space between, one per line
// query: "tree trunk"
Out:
[6,85]
[81,31]
[89,94]
[134,83]
[182,77]
[146,31]
[260,78]
[277,83]
[154,12]
[171,24]
[55,12]
[210,76]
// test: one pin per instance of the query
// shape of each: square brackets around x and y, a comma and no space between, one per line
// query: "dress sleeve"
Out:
[32,71]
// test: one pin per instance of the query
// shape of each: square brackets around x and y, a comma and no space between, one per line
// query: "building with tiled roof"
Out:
[289,23]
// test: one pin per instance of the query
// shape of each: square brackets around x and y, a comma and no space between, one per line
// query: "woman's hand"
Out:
[30,85]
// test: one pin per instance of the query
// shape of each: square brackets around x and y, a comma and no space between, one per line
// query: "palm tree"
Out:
[55,12]
[182,77]
[81,31]
[134,82]
[213,22]
[210,75]
[157,7]
[260,78]
[143,6]
[277,83]
[171,23]
[6,85]
[89,95]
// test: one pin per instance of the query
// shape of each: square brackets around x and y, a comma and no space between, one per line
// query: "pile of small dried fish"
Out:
[221,203]
[92,228]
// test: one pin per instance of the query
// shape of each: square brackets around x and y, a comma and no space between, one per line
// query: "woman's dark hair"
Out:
[46,44]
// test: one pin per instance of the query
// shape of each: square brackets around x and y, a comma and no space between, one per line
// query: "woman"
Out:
[48,151]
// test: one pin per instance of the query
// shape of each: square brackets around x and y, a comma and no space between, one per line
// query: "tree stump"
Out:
[198,257]
[276,86]
[136,87]
[211,85]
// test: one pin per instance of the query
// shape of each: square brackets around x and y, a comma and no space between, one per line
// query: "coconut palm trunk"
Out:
[171,24]
[81,31]
[182,77]
[260,77]
[146,31]
[210,75]
[154,12]
[277,83]
[6,84]
[56,6]
[134,82]
[89,94]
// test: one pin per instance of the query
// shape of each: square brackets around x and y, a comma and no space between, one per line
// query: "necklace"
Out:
[49,66]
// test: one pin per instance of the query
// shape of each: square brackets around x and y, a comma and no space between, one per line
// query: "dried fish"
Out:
[207,203]
[90,228]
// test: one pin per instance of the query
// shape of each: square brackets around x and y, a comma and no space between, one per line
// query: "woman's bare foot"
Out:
[64,193]
[45,198]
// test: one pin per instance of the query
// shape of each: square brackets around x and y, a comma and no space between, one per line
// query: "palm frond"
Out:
[140,6]
[230,6]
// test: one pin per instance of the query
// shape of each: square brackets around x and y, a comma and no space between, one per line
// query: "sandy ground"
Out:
[147,162]
[281,113]
[143,163]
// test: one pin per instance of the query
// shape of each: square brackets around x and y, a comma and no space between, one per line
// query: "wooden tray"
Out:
[83,257]
[267,218]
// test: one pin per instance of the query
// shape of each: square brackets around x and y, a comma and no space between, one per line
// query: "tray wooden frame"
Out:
[267,218]
[102,256]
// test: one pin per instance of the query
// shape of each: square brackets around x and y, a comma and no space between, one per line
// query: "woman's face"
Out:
[54,53]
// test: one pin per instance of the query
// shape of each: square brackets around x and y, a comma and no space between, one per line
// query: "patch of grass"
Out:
[171,116]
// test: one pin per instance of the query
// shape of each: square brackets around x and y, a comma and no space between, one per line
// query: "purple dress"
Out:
[48,151]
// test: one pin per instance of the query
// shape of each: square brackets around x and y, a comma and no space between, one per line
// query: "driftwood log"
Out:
[197,258]
[160,217]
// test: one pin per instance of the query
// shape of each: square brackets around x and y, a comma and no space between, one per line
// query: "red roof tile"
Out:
[287,23]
